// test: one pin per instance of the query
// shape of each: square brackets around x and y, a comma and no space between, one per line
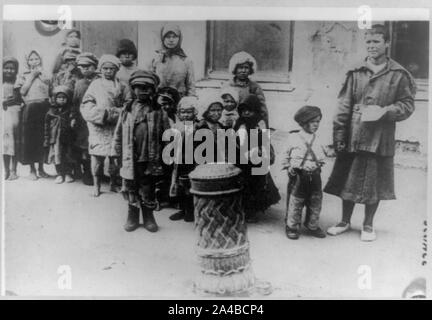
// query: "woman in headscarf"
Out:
[12,106]
[35,88]
[171,64]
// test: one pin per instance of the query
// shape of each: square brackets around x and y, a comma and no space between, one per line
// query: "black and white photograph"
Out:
[175,152]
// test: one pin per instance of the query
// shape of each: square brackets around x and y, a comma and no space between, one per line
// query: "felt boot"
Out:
[148,218]
[132,222]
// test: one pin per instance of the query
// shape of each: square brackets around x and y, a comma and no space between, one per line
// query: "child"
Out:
[230,114]
[138,140]
[303,161]
[101,107]
[187,111]
[69,74]
[87,63]
[168,99]
[59,134]
[127,53]
[242,65]
[171,64]
[72,44]
[12,106]
[211,120]
[259,191]
[35,88]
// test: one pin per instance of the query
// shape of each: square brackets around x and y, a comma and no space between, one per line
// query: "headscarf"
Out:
[306,114]
[164,51]
[209,102]
[73,30]
[10,59]
[240,58]
[27,56]
[62,89]
[188,102]
[229,90]
[109,58]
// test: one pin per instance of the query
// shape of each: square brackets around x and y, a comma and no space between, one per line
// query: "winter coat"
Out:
[176,71]
[392,88]
[80,129]
[57,124]
[135,145]
[101,107]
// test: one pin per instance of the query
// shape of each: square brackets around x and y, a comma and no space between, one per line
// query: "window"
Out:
[269,42]
[410,46]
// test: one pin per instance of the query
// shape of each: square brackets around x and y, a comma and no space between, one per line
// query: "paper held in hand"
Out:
[372,113]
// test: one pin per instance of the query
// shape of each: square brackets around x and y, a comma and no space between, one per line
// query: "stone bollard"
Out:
[223,246]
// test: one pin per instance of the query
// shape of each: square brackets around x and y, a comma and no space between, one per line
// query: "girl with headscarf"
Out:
[180,185]
[171,64]
[59,135]
[242,65]
[230,99]
[12,106]
[259,191]
[35,88]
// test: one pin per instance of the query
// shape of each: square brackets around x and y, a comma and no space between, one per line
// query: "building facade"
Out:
[299,62]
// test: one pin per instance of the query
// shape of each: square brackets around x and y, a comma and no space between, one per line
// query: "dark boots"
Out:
[87,177]
[148,217]
[132,222]
[189,209]
[186,210]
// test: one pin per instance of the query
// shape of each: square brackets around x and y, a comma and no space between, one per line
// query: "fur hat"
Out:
[126,45]
[240,58]
[251,102]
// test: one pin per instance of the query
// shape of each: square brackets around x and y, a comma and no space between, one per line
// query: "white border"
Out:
[142,13]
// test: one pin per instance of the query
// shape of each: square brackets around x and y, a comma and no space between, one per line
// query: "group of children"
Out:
[107,110]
